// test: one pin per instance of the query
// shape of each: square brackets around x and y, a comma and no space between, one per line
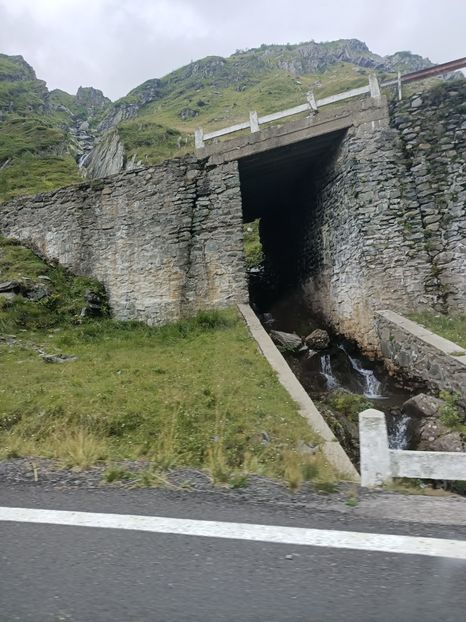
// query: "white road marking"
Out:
[385,543]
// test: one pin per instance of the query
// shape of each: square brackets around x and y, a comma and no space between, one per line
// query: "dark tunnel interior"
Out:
[281,188]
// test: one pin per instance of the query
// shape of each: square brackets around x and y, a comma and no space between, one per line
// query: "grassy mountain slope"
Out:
[33,140]
[215,91]
[43,134]
[39,141]
[168,395]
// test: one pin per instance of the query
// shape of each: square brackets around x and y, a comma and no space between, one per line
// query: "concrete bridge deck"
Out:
[316,126]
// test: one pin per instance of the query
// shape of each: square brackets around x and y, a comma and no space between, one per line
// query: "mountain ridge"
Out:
[53,137]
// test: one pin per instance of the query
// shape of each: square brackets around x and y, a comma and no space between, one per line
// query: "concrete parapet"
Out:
[379,463]
[421,353]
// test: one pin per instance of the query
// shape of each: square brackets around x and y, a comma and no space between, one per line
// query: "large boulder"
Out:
[423,405]
[319,339]
[433,435]
[287,341]
[430,432]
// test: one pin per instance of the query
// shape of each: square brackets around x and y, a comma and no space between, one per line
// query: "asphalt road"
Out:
[55,572]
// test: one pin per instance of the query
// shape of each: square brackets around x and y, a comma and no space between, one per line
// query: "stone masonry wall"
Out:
[432,127]
[166,241]
[386,223]
[362,256]
[421,354]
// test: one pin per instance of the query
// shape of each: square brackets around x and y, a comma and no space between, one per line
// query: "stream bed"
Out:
[339,379]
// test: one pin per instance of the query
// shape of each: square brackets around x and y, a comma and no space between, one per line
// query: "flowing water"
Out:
[399,431]
[372,387]
[341,366]
[327,372]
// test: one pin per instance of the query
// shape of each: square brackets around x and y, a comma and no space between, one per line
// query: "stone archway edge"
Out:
[330,446]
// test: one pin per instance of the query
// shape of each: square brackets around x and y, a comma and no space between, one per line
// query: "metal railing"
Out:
[313,105]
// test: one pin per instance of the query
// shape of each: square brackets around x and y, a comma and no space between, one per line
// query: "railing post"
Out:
[374,86]
[311,101]
[400,95]
[253,121]
[374,450]
[199,138]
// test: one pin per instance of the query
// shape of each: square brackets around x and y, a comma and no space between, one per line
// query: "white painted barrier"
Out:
[380,464]
[312,105]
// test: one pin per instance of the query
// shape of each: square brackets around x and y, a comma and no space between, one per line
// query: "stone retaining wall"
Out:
[432,128]
[361,255]
[422,354]
[386,223]
[166,240]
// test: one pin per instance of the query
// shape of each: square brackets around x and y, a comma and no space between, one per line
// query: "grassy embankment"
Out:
[192,394]
[451,327]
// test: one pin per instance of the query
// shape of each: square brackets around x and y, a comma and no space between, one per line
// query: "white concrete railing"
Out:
[313,105]
[380,464]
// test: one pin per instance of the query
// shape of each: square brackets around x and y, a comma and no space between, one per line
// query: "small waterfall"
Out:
[327,371]
[398,437]
[372,387]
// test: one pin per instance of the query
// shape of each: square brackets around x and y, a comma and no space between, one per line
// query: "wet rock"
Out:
[268,319]
[287,341]
[188,113]
[423,405]
[319,339]
[433,435]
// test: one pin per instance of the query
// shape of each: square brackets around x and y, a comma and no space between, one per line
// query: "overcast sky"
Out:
[115,45]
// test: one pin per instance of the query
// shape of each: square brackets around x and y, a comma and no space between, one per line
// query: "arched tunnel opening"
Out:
[282,210]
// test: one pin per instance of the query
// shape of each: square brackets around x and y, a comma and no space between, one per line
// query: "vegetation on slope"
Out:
[192,394]
[452,327]
[37,130]
[157,119]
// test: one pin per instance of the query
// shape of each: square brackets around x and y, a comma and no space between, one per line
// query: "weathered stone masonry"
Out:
[385,223]
[166,241]
[375,221]
[432,127]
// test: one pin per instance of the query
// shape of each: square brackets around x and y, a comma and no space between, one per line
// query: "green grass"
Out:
[348,404]
[151,142]
[196,393]
[35,156]
[30,174]
[252,244]
[170,395]
[60,307]
[452,327]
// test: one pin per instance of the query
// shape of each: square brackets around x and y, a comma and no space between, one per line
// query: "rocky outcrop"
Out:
[107,157]
[423,405]
[430,431]
[92,100]
[128,107]
[433,435]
